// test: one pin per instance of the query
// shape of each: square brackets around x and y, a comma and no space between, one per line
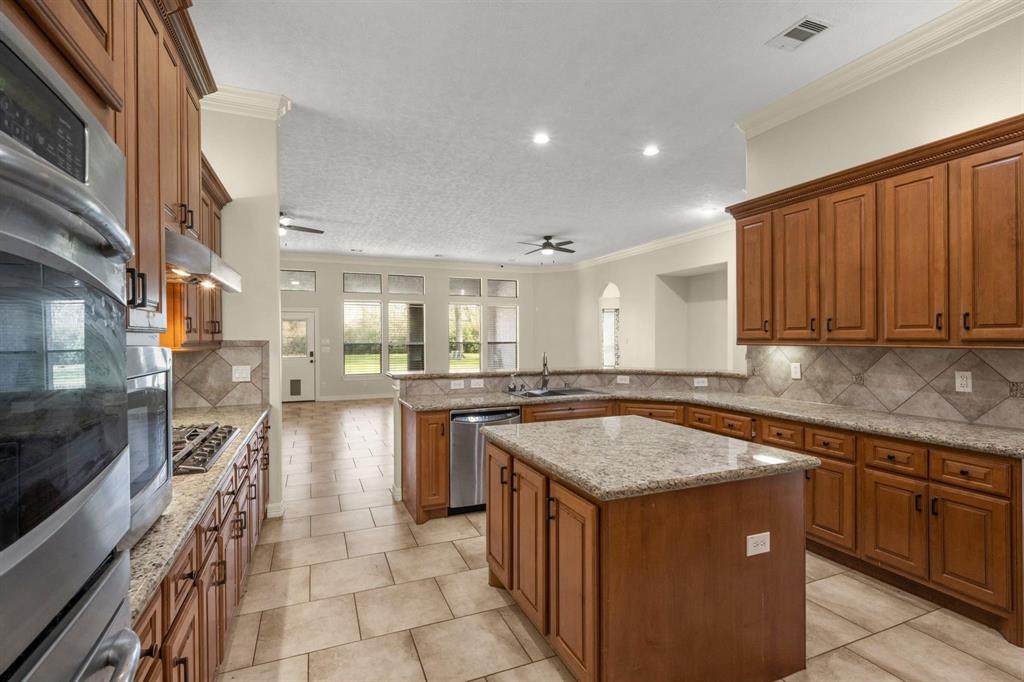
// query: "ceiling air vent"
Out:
[798,34]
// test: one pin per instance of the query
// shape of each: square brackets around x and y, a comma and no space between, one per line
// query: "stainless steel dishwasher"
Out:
[468,469]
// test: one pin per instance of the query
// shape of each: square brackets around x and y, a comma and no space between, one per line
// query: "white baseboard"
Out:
[361,396]
[275,510]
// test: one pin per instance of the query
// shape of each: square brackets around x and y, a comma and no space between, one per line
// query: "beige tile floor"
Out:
[346,588]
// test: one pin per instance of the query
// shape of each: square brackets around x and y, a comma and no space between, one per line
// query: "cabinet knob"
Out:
[891,457]
[826,444]
[965,472]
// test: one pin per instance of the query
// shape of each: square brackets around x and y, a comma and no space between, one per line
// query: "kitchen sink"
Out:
[545,392]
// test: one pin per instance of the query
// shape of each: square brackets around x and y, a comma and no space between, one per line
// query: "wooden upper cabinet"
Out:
[754,277]
[529,542]
[915,255]
[849,265]
[987,212]
[89,35]
[170,136]
[499,514]
[191,162]
[795,266]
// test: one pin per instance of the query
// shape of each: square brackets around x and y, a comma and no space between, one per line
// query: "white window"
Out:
[503,288]
[361,283]
[362,337]
[502,337]
[405,337]
[610,337]
[298,280]
[463,286]
[464,337]
[405,284]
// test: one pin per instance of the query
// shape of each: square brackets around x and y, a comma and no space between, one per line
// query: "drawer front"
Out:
[735,425]
[830,443]
[911,460]
[150,629]
[699,418]
[783,434]
[228,488]
[968,470]
[660,411]
[180,580]
[581,410]
[208,528]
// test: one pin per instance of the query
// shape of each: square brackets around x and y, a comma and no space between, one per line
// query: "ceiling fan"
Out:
[548,247]
[285,223]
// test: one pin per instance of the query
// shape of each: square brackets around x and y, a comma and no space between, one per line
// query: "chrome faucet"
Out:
[545,374]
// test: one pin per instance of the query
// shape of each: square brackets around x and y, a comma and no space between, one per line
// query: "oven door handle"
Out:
[122,652]
[46,181]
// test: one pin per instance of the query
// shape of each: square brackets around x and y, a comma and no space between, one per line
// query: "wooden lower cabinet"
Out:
[830,502]
[229,541]
[425,458]
[572,576]
[971,544]
[666,412]
[183,644]
[560,411]
[894,522]
[529,542]
[499,518]
[212,610]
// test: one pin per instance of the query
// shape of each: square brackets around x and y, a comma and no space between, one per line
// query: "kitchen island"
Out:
[637,547]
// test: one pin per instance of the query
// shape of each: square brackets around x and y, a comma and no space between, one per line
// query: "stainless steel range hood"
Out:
[191,259]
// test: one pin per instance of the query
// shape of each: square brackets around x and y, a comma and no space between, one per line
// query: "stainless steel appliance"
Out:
[149,436]
[467,468]
[64,463]
[198,446]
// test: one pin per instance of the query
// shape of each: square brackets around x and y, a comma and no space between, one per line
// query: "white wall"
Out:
[671,318]
[707,321]
[328,299]
[243,151]
[969,85]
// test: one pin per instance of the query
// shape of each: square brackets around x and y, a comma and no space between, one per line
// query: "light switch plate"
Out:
[794,370]
[759,543]
[700,382]
[964,383]
[457,384]
[476,383]
[240,372]
[622,379]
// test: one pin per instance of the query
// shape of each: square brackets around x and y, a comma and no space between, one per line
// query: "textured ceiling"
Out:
[410,133]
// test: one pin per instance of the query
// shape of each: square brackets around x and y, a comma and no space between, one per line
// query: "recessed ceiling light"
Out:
[541,138]
[710,210]
[651,150]
[281,231]
[438,255]
[356,250]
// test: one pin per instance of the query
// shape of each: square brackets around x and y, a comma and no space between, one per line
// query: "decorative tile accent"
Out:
[1017,389]
[858,379]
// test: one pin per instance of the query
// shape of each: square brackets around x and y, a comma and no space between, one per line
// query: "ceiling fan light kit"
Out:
[548,247]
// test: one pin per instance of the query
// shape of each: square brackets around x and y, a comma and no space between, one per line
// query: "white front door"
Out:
[298,360]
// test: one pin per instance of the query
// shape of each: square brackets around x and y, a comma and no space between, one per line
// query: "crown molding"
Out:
[253,103]
[952,28]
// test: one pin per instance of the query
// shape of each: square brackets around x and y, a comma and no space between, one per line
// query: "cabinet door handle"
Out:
[967,321]
[151,651]
[765,326]
[551,509]
[514,488]
[807,474]
[826,444]
[935,506]
[252,491]
[938,321]
[828,324]
[133,299]
[917,502]
[891,457]
[183,663]
[965,472]
[190,219]
[223,566]
[188,324]
[143,297]
[191,575]
[813,320]
[501,475]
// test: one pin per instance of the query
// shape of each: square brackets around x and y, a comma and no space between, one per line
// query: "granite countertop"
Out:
[152,555]
[611,458]
[557,372]
[940,432]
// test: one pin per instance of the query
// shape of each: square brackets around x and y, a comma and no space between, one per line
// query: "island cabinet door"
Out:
[529,542]
[183,647]
[572,581]
[212,611]
[229,532]
[895,522]
[499,514]
[829,502]
[432,459]
[971,547]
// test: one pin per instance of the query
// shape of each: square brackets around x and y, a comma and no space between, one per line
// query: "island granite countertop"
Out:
[152,555]
[993,440]
[611,458]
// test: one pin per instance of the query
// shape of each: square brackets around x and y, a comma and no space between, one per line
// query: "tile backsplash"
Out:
[912,381]
[203,378]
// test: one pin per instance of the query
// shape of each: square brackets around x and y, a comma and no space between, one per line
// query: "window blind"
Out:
[405,337]
[463,337]
[610,337]
[502,337]
[362,337]
[361,283]
[405,284]
[463,286]
[503,288]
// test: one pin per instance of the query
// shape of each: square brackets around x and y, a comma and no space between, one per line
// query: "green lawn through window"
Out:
[369,363]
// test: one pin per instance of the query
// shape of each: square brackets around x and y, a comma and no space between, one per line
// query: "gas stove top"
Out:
[196,447]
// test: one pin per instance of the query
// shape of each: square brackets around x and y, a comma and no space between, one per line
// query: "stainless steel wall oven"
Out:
[64,458]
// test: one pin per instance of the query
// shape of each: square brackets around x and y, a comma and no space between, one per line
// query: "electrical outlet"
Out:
[476,383]
[964,384]
[622,379]
[794,370]
[700,382]
[759,543]
[240,372]
[457,384]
